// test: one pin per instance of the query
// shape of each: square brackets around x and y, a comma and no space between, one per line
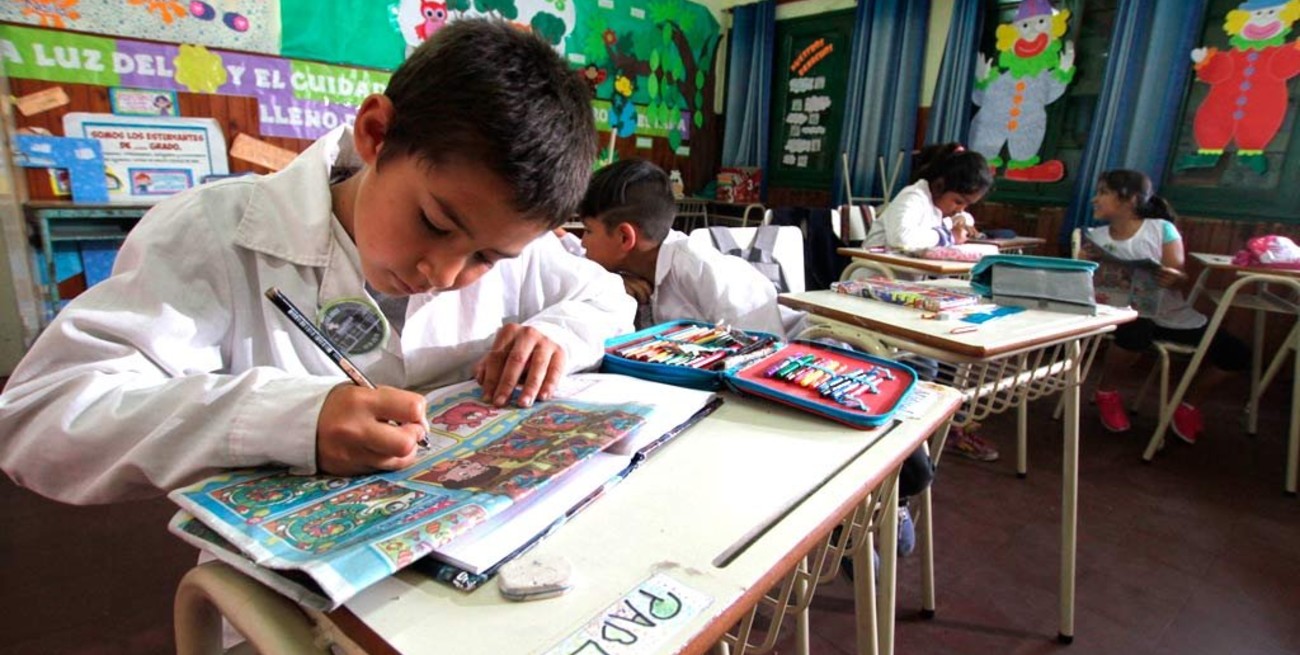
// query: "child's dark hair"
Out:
[483,91]
[1135,184]
[950,167]
[632,191]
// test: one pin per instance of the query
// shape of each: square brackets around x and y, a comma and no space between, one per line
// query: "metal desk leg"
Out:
[1256,368]
[1022,438]
[888,566]
[1293,444]
[1069,494]
[865,601]
[925,522]
[1200,285]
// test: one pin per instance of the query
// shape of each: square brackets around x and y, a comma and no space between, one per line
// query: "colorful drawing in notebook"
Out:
[920,296]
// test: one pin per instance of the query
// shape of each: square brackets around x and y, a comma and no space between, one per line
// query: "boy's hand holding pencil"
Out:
[361,430]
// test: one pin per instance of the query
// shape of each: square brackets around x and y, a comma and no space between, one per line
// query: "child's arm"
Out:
[569,308]
[909,222]
[1171,273]
[140,385]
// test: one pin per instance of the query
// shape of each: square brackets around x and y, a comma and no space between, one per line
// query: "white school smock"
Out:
[1149,243]
[911,221]
[697,281]
[177,367]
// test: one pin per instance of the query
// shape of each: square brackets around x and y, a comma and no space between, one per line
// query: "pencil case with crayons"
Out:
[683,353]
[854,388]
[850,387]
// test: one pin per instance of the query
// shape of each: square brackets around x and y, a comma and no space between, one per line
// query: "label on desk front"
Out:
[640,622]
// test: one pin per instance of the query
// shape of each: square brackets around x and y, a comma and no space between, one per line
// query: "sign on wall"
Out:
[147,158]
[297,99]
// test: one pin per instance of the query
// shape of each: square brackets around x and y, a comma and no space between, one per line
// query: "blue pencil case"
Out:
[853,388]
[621,357]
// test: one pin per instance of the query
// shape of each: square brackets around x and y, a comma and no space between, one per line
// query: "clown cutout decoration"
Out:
[1034,68]
[1248,84]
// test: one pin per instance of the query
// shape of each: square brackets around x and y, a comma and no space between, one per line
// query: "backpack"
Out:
[822,264]
[758,253]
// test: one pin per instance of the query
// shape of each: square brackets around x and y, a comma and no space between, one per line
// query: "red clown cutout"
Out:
[1248,94]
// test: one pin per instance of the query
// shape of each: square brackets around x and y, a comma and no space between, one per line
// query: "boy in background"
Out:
[414,232]
[628,213]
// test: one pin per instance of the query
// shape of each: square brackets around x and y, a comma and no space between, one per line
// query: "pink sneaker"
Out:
[1188,423]
[1111,409]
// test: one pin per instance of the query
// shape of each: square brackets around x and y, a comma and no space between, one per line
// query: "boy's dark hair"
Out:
[632,191]
[950,167]
[486,92]
[1135,184]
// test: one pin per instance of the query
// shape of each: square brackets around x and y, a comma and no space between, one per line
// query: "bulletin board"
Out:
[807,99]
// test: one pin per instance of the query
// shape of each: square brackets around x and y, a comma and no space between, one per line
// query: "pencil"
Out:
[349,369]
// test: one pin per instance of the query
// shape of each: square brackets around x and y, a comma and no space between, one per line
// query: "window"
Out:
[1070,117]
[1234,185]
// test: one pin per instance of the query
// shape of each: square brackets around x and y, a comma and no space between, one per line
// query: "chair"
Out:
[788,251]
[270,622]
[858,223]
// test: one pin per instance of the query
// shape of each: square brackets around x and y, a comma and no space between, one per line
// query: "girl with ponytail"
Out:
[1139,225]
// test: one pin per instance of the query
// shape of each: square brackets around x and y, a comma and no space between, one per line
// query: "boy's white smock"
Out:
[177,366]
[911,221]
[699,282]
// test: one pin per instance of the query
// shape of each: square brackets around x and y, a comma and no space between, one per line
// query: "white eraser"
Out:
[533,577]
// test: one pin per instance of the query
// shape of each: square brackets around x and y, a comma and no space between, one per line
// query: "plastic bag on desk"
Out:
[1270,251]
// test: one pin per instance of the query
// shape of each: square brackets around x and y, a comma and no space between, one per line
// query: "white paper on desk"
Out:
[487,545]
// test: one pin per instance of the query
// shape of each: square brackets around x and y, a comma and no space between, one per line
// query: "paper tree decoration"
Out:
[1248,84]
[1034,68]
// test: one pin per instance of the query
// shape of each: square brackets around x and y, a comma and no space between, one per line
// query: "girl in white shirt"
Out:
[1139,226]
[932,210]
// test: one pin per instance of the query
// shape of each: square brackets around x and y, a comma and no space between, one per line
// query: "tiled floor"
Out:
[1196,553]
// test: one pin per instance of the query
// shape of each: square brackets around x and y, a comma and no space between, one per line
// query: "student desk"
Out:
[1002,364]
[1264,300]
[748,464]
[901,262]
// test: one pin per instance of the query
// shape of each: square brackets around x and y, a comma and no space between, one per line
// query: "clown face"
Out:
[1035,33]
[1264,23]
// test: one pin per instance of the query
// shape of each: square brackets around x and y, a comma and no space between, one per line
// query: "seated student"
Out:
[628,212]
[931,210]
[420,222]
[1139,226]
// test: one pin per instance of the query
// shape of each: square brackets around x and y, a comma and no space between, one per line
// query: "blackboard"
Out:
[808,85]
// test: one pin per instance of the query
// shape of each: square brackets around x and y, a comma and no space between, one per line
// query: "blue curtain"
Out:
[749,85]
[950,111]
[1146,76]
[883,92]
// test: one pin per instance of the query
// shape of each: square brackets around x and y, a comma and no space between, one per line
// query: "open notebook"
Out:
[492,480]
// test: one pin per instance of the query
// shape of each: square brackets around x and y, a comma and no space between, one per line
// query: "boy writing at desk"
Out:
[414,234]
[628,213]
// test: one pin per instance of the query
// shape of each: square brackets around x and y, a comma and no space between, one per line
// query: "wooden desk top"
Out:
[690,502]
[1224,263]
[1014,243]
[1025,330]
[934,266]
